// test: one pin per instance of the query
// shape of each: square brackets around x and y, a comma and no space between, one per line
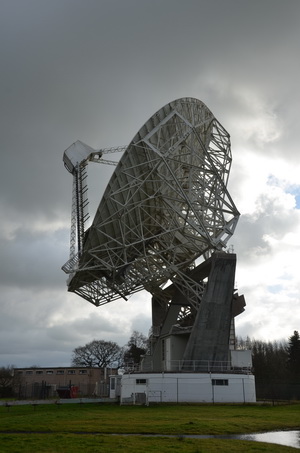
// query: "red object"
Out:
[68,392]
[74,391]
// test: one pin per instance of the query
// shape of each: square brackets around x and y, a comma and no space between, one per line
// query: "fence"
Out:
[44,390]
[277,389]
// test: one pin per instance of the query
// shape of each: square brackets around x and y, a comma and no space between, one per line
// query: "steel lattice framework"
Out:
[165,205]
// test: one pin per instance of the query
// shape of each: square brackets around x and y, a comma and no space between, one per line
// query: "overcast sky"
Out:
[95,71]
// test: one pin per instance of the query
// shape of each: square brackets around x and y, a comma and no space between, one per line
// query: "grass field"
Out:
[72,428]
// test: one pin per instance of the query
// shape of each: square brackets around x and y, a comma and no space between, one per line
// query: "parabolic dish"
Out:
[165,205]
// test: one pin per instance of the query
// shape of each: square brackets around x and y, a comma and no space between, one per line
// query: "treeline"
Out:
[108,354]
[276,366]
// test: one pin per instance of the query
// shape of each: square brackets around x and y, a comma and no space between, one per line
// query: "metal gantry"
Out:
[80,201]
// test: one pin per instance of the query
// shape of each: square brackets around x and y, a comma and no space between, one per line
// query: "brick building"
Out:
[45,382]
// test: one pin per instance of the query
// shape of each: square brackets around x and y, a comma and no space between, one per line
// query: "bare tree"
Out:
[98,353]
[136,347]
[7,380]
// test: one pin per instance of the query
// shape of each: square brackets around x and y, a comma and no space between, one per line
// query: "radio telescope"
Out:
[162,225]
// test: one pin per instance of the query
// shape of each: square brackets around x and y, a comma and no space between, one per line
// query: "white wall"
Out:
[196,387]
[241,359]
[115,386]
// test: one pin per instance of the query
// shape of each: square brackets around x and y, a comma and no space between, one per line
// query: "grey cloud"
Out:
[33,259]
[267,220]
[96,71]
[78,333]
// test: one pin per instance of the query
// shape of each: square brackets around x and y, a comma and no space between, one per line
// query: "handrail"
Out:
[188,366]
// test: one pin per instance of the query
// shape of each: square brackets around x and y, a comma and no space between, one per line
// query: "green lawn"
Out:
[77,427]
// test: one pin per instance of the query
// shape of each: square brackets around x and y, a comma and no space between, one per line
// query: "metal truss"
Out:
[166,205]
[79,214]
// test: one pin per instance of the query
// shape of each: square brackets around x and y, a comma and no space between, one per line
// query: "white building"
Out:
[234,385]
[146,388]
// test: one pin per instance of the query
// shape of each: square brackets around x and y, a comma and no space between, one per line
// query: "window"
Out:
[29,372]
[219,381]
[60,372]
[39,372]
[71,371]
[141,381]
[49,372]
[82,371]
[113,383]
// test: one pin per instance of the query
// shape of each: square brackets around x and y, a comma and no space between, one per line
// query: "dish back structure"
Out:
[165,205]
